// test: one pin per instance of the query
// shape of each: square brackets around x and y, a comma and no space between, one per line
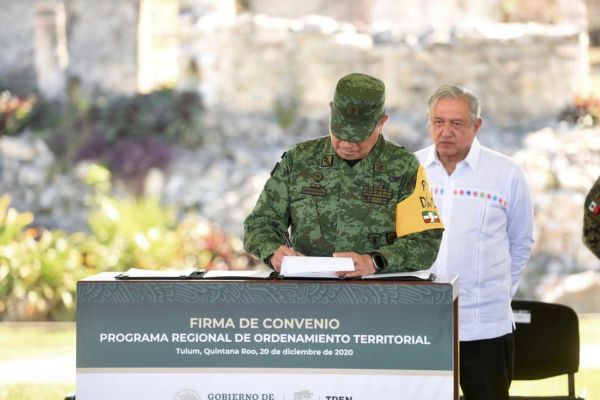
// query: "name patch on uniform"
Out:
[377,194]
[594,207]
[314,190]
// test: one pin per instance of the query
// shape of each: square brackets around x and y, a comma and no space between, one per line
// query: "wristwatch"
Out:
[378,261]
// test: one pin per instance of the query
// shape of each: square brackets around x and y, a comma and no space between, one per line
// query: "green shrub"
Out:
[143,233]
[109,130]
[131,233]
[12,222]
[174,116]
[38,269]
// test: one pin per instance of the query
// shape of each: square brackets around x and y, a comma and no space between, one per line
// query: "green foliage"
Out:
[107,129]
[286,110]
[15,112]
[164,113]
[12,222]
[143,234]
[38,274]
[39,269]
[131,232]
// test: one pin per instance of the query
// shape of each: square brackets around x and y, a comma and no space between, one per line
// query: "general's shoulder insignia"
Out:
[327,161]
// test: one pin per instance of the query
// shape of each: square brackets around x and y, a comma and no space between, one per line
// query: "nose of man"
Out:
[446,130]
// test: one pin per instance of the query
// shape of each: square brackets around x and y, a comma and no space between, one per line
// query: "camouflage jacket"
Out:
[333,207]
[591,219]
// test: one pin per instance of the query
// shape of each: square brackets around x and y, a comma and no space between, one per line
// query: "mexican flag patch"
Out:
[430,217]
[594,207]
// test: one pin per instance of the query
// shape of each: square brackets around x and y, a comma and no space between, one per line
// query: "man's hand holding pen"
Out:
[283,250]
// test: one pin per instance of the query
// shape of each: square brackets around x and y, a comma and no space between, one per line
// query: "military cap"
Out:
[358,104]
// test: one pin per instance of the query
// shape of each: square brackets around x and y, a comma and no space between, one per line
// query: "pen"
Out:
[286,239]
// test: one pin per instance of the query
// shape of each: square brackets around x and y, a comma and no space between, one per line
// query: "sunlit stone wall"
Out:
[521,72]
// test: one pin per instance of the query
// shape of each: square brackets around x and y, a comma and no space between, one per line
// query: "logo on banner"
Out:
[303,395]
[187,394]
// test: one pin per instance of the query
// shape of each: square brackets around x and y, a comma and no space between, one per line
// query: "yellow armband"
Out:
[417,212]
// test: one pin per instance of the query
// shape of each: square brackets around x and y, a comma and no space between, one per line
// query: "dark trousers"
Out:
[486,368]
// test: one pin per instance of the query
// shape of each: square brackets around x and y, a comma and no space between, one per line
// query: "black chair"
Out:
[546,344]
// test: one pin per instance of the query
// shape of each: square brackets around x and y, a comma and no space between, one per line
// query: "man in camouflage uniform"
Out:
[591,219]
[349,194]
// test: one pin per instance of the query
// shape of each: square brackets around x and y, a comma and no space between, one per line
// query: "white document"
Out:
[425,275]
[138,273]
[315,267]
[233,274]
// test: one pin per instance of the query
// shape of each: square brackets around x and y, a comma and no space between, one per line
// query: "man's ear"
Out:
[383,120]
[477,125]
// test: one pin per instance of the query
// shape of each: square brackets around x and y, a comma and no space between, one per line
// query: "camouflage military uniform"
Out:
[333,207]
[591,219]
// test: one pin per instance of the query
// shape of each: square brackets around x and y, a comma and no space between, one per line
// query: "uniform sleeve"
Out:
[591,219]
[270,218]
[520,227]
[418,226]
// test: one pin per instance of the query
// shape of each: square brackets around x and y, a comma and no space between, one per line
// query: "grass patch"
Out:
[587,384]
[36,340]
[35,391]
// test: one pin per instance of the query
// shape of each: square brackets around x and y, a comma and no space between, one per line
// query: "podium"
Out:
[266,339]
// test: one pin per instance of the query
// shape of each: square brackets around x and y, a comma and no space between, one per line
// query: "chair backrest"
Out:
[546,340]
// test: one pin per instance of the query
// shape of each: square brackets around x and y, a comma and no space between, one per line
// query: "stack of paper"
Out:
[314,267]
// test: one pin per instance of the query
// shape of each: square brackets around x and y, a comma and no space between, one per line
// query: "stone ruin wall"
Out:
[17,66]
[100,53]
[252,62]
[522,73]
